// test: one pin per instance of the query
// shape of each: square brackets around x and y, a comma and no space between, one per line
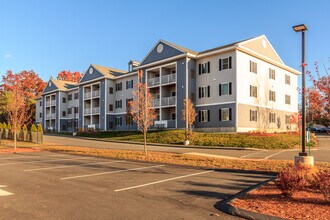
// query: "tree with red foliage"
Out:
[319,96]
[294,120]
[140,108]
[69,76]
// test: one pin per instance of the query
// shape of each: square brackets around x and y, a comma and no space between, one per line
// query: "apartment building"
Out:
[239,87]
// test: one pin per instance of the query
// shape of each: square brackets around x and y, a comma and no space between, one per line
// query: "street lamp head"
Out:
[300,28]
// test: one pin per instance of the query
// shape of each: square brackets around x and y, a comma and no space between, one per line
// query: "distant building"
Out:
[240,87]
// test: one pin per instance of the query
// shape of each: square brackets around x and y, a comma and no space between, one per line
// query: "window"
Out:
[173,116]
[271,95]
[70,97]
[63,113]
[119,104]
[69,111]
[40,103]
[110,90]
[287,119]
[204,115]
[225,89]
[40,115]
[76,95]
[129,84]
[204,91]
[75,110]
[253,67]
[110,107]
[272,117]
[253,91]
[128,100]
[271,74]
[225,114]
[129,120]
[204,68]
[253,115]
[119,86]
[173,93]
[225,63]
[287,79]
[287,99]
[64,100]
[119,121]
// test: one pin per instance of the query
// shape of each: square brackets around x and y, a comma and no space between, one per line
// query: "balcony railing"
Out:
[153,81]
[87,95]
[96,110]
[155,102]
[165,124]
[48,103]
[169,101]
[168,78]
[52,102]
[87,111]
[96,93]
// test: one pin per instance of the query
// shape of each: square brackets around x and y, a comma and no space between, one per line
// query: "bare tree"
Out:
[188,115]
[140,108]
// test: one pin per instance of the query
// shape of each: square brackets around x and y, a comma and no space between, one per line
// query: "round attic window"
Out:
[263,43]
[90,70]
[160,48]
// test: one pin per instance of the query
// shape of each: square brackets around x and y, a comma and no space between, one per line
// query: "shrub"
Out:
[1,125]
[322,180]
[34,128]
[24,128]
[39,127]
[293,178]
[5,126]
[9,126]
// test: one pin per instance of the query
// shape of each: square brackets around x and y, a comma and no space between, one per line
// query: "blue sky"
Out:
[50,36]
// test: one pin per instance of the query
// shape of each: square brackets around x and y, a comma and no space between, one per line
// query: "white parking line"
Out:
[274,155]
[247,155]
[40,161]
[77,165]
[165,180]
[11,158]
[4,193]
[116,171]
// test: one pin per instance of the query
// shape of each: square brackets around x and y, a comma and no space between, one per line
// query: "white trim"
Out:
[264,106]
[236,89]
[126,75]
[162,61]
[218,103]
[105,103]
[216,52]
[117,113]
[59,111]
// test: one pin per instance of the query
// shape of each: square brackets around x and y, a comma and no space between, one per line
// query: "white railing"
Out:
[168,101]
[153,81]
[87,95]
[96,93]
[168,78]
[96,110]
[48,116]
[155,102]
[48,103]
[53,115]
[87,111]
[52,102]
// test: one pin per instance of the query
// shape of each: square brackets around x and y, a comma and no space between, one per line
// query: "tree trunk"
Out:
[145,143]
[15,140]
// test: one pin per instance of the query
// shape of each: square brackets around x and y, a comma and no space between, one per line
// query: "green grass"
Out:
[262,141]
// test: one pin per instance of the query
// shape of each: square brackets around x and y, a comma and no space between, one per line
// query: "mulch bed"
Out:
[306,204]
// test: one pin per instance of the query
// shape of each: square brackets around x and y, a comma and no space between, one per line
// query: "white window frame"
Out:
[272,96]
[204,116]
[223,63]
[272,74]
[272,117]
[287,79]
[222,88]
[119,121]
[253,115]
[204,92]
[222,114]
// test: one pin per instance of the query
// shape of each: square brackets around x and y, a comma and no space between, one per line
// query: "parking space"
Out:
[53,186]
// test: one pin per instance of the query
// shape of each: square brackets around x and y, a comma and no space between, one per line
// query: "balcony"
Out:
[168,78]
[96,93]
[48,103]
[168,101]
[87,95]
[96,110]
[165,124]
[155,102]
[49,116]
[52,102]
[153,81]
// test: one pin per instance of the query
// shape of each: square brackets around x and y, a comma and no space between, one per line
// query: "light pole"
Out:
[303,28]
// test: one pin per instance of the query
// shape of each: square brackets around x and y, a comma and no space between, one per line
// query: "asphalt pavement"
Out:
[321,153]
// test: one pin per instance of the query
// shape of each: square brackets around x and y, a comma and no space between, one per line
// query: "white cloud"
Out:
[9,56]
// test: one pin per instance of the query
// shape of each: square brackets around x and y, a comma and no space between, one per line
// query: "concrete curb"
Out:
[158,144]
[224,205]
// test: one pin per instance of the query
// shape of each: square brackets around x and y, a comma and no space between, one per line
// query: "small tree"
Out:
[188,115]
[140,108]
[294,119]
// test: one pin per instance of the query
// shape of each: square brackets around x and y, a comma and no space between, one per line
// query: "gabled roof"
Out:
[183,49]
[109,72]
[64,85]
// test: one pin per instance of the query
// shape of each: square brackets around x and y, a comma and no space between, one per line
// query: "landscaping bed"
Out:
[245,140]
[269,200]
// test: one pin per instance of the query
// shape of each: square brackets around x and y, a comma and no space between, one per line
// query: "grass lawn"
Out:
[262,141]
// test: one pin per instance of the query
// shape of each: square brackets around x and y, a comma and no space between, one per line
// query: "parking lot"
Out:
[46,185]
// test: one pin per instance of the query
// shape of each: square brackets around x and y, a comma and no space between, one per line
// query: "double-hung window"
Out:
[119,104]
[119,121]
[225,63]
[119,86]
[253,115]
[287,79]
[129,84]
[287,99]
[271,95]
[225,114]
[204,91]
[204,68]
[271,74]
[225,89]
[253,67]
[253,91]
[272,117]
[204,115]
